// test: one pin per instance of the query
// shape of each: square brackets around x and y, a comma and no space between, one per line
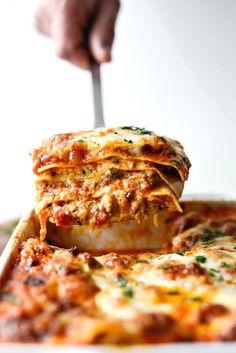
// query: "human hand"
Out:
[83,30]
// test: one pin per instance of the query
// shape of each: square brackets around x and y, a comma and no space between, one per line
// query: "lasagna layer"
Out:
[63,296]
[107,175]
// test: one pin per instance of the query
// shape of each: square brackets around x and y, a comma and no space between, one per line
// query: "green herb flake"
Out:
[128,292]
[140,131]
[129,141]
[165,267]
[200,258]
[220,278]
[80,140]
[209,235]
[227,265]
[214,270]
[235,248]
[78,222]
[122,281]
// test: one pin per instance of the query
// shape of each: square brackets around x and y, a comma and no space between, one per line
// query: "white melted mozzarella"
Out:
[101,137]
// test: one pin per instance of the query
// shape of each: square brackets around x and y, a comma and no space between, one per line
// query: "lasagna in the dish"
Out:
[56,295]
[107,175]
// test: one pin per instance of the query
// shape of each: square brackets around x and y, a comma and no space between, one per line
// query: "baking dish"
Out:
[29,225]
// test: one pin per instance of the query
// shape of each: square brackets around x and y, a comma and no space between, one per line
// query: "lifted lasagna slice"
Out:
[107,175]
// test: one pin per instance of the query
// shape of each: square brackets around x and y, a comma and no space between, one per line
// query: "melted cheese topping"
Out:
[127,142]
[188,294]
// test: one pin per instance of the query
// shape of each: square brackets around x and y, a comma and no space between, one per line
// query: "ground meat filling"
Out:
[115,195]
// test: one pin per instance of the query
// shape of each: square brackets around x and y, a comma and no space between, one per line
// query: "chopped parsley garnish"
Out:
[129,141]
[214,270]
[80,140]
[235,248]
[78,222]
[122,281]
[227,265]
[200,258]
[220,278]
[209,235]
[128,292]
[140,131]
[165,267]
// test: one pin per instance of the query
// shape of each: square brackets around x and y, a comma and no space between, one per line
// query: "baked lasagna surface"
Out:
[107,175]
[188,294]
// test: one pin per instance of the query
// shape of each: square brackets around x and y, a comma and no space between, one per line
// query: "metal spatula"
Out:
[97,95]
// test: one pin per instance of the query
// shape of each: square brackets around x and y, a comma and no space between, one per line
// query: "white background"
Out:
[174,71]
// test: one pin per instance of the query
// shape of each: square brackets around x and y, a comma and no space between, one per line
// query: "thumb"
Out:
[102,32]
